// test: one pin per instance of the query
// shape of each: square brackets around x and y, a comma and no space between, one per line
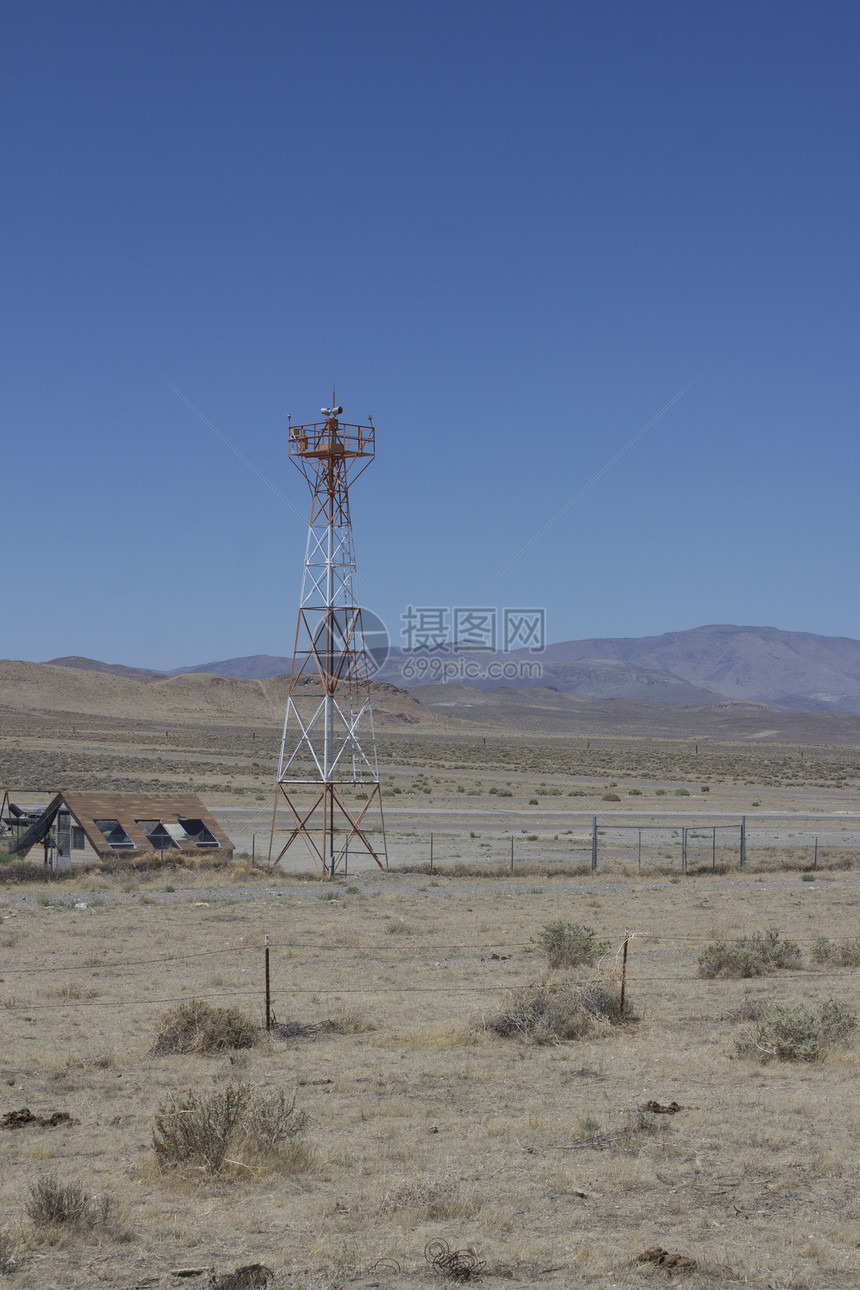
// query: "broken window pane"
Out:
[157,835]
[198,832]
[114,834]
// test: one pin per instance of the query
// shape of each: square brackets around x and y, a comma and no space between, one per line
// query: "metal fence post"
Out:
[268,992]
[743,841]
[683,848]
[594,844]
[623,974]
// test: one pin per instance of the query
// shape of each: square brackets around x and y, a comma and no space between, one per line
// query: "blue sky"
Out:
[510,232]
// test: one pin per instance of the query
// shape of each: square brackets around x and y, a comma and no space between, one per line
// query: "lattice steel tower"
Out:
[328,751]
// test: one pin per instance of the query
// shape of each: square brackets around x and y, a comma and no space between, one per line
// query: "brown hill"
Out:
[189,699]
[95,665]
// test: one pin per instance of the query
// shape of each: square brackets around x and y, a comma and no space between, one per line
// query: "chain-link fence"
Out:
[664,843]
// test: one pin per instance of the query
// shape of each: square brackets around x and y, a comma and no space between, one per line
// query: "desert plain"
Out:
[420,1122]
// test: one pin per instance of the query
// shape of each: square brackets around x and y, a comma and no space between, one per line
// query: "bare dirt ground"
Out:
[422,1125]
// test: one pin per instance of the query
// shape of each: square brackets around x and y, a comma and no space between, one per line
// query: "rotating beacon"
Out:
[328,750]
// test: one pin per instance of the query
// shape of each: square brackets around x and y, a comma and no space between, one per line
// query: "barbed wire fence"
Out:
[286,979]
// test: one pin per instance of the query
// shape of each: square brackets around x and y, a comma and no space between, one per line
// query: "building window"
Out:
[114,834]
[199,834]
[157,836]
[79,840]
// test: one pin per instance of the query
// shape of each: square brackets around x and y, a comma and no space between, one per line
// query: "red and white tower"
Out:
[328,795]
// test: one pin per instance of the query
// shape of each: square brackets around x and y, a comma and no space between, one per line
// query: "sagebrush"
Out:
[748,956]
[55,1204]
[239,1124]
[845,953]
[799,1033]
[569,945]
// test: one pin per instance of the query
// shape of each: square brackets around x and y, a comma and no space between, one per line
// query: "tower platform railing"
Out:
[332,438]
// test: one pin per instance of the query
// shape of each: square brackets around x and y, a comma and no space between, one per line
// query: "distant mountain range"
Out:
[794,671]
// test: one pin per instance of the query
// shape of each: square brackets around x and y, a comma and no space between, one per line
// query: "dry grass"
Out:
[422,1128]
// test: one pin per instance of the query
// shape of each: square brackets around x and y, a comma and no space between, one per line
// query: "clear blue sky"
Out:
[510,231]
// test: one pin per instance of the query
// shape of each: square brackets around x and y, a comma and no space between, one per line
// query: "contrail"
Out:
[233,448]
[594,480]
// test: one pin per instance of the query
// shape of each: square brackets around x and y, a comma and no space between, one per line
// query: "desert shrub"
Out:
[236,1124]
[610,797]
[682,792]
[799,1033]
[196,1130]
[729,958]
[541,1012]
[547,1012]
[774,950]
[845,954]
[198,1027]
[55,1204]
[399,927]
[848,954]
[272,1118]
[747,956]
[570,944]
[822,950]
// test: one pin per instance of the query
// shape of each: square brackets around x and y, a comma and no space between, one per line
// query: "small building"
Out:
[92,826]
